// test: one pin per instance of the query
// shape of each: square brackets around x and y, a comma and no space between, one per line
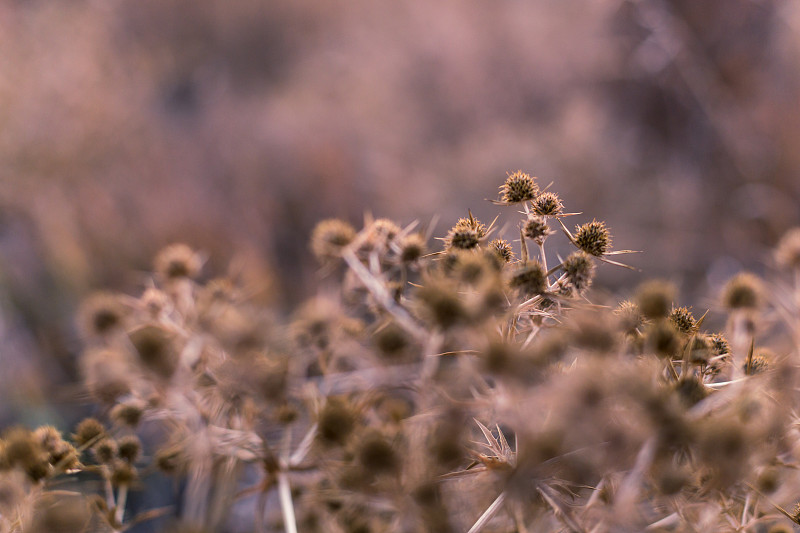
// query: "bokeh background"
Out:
[235,125]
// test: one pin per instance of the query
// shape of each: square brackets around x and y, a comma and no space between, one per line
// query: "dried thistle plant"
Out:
[468,389]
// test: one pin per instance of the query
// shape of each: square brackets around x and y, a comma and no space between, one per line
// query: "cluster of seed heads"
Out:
[471,388]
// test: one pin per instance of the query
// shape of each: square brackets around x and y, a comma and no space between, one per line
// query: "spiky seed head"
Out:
[106,374]
[462,239]
[100,314]
[329,237]
[683,320]
[123,473]
[376,455]
[518,187]
[88,429]
[760,362]
[441,303]
[105,450]
[691,390]
[530,279]
[579,268]
[743,291]
[472,223]
[662,338]
[473,267]
[128,414]
[502,249]
[654,298]
[466,234]
[536,229]
[177,261]
[155,347]
[129,448]
[593,238]
[768,480]
[629,316]
[384,230]
[21,448]
[391,340]
[787,254]
[336,422]
[548,204]
[412,248]
[719,344]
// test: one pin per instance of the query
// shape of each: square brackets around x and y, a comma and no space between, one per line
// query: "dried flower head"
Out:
[87,431]
[760,362]
[376,455]
[518,187]
[336,421]
[330,236]
[654,298]
[440,302]
[155,347]
[106,374]
[502,248]
[178,261]
[548,204]
[466,234]
[629,316]
[123,473]
[743,291]
[128,413]
[530,279]
[787,253]
[683,320]
[101,314]
[719,344]
[412,247]
[391,340]
[593,238]
[22,449]
[105,450]
[129,448]
[536,229]
[579,269]
[662,338]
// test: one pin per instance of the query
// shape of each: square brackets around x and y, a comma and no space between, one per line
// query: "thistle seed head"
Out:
[683,320]
[330,237]
[88,429]
[654,298]
[177,261]
[101,314]
[593,238]
[518,187]
[530,279]
[536,229]
[547,204]
[579,269]
[743,291]
[502,249]
[412,248]
[155,347]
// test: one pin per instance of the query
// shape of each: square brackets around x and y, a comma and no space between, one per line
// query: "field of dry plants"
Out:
[472,383]
[443,266]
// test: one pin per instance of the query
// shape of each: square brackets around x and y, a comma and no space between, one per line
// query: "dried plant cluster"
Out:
[474,388]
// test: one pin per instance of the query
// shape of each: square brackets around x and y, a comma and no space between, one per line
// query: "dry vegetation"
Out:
[478,387]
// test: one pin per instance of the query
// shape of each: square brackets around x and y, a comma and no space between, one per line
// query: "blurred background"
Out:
[235,125]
